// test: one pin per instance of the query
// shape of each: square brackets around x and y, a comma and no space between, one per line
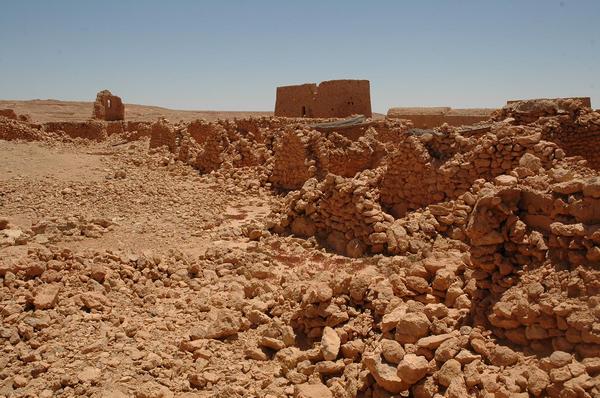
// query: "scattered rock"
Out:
[312,391]
[412,368]
[330,344]
[46,297]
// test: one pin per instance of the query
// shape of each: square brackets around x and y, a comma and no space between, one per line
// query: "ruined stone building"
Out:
[333,98]
[108,107]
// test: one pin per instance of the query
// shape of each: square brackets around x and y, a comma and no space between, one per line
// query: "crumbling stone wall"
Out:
[530,218]
[253,128]
[209,146]
[584,101]
[11,114]
[117,128]
[232,143]
[211,156]
[385,130]
[570,123]
[427,118]
[163,134]
[334,98]
[341,211]
[341,156]
[200,130]
[108,107]
[420,171]
[137,130]
[299,154]
[91,130]
[11,129]
[293,161]
[553,232]
[531,276]
[580,137]
[491,290]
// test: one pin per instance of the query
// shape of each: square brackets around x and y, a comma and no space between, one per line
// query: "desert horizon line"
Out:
[219,109]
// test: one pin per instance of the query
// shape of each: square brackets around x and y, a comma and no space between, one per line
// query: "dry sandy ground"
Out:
[135,208]
[42,111]
[41,180]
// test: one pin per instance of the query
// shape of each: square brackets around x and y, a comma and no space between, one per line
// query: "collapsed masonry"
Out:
[518,196]
[436,116]
[108,107]
[478,251]
[435,167]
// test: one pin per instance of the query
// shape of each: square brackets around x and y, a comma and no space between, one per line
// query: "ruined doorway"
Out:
[303,111]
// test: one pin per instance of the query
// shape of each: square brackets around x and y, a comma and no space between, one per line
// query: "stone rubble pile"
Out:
[54,230]
[396,325]
[381,261]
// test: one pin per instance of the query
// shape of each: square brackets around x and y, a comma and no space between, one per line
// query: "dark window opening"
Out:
[303,111]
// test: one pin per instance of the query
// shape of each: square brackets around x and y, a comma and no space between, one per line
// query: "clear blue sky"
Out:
[230,55]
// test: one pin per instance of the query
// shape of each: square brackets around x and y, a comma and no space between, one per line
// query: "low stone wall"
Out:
[91,130]
[513,226]
[11,129]
[435,117]
[417,174]
[569,123]
[163,134]
[585,101]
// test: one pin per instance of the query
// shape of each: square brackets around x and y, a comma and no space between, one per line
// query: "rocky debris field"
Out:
[263,258]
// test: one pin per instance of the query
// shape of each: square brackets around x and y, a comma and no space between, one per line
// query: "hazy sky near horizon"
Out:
[231,55]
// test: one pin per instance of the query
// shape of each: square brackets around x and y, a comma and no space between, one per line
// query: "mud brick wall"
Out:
[334,98]
[295,101]
[342,98]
